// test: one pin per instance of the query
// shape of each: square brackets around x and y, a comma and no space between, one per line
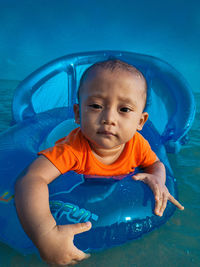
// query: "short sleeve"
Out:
[62,157]
[146,155]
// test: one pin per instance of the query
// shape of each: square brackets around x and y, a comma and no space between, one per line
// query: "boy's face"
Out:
[111,108]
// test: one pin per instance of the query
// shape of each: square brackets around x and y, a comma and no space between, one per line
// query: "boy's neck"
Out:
[107,156]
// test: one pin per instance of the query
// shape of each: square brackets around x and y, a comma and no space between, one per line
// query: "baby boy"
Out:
[112,97]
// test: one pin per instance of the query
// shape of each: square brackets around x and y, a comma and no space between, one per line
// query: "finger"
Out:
[164,204]
[158,199]
[79,255]
[81,227]
[74,262]
[156,193]
[175,202]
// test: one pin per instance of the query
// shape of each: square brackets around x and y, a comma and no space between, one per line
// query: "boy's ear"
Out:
[77,113]
[143,119]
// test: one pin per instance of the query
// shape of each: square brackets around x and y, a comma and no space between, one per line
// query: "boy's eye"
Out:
[95,106]
[125,109]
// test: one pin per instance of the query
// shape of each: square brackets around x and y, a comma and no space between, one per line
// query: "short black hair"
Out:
[112,65]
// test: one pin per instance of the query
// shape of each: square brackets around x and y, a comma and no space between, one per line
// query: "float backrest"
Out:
[170,102]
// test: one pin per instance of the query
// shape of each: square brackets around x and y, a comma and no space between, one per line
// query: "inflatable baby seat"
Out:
[43,113]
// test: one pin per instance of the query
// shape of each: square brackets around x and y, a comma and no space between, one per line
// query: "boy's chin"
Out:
[107,146]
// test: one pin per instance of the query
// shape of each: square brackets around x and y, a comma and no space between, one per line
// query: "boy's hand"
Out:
[160,192]
[57,247]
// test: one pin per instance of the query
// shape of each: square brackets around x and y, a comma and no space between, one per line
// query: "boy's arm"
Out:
[155,176]
[55,242]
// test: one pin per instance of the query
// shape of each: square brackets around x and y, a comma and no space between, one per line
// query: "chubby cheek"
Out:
[126,136]
[127,130]
[90,118]
[87,124]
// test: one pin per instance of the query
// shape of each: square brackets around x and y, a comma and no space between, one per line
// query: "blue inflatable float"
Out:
[43,113]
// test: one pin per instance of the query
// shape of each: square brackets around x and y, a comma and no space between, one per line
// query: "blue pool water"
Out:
[176,243]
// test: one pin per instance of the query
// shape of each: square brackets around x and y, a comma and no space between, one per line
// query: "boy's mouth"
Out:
[107,133]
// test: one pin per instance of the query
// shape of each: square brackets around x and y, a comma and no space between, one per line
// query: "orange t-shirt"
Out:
[73,152]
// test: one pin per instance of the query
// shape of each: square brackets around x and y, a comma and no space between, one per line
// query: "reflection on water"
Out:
[174,244]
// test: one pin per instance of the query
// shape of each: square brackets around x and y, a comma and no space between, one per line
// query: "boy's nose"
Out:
[109,117]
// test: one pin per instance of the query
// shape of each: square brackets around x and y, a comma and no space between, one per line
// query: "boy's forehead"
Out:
[101,75]
[94,78]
